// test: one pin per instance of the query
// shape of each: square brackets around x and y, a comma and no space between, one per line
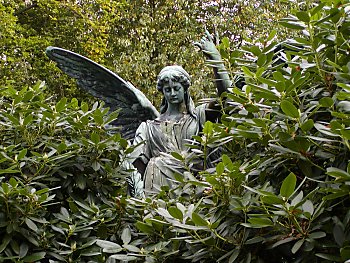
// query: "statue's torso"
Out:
[159,138]
[171,136]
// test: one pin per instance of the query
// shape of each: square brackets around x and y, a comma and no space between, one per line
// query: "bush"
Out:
[60,170]
[278,193]
[281,190]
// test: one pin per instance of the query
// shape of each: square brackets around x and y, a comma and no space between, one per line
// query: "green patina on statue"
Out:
[156,135]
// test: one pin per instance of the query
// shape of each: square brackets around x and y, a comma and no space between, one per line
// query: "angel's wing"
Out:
[107,86]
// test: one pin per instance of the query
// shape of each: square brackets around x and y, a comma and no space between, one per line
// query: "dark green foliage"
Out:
[278,193]
[60,169]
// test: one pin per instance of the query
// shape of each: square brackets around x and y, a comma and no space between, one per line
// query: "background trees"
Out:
[133,38]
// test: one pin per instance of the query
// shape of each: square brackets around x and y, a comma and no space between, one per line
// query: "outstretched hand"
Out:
[207,46]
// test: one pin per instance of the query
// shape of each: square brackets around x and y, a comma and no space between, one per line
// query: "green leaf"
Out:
[338,194]
[31,224]
[95,138]
[297,246]
[344,86]
[61,105]
[98,118]
[189,227]
[345,253]
[261,60]
[326,102]
[307,125]
[84,106]
[345,133]
[257,239]
[22,154]
[316,235]
[255,50]
[283,241]
[145,228]
[126,235]
[74,103]
[328,257]
[257,222]
[308,207]
[338,173]
[13,182]
[80,180]
[34,257]
[272,200]
[175,212]
[302,40]
[289,109]
[84,205]
[247,72]
[292,25]
[28,95]
[263,92]
[132,248]
[95,165]
[278,76]
[177,156]
[61,147]
[317,9]
[283,149]
[303,16]
[271,35]
[288,185]
[23,250]
[28,119]
[109,247]
[220,168]
[234,256]
[251,108]
[338,234]
[123,257]
[5,241]
[208,127]
[226,42]
[334,11]
[198,220]
[163,212]
[269,82]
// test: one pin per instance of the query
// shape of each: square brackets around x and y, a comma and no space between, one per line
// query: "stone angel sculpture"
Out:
[156,134]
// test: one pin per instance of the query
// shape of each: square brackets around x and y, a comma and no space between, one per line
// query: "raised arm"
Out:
[214,60]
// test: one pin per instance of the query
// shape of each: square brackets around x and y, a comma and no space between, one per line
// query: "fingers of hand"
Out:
[208,35]
[199,45]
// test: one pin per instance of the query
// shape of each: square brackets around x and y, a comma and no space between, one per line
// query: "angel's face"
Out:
[174,92]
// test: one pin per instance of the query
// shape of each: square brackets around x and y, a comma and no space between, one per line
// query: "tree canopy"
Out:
[133,38]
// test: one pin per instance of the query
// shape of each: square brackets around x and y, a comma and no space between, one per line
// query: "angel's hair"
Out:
[175,74]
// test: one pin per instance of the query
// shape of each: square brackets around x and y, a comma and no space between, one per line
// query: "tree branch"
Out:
[25,9]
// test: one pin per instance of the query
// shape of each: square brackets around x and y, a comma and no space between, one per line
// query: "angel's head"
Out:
[177,79]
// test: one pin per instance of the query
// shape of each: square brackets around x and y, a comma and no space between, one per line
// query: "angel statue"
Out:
[155,135]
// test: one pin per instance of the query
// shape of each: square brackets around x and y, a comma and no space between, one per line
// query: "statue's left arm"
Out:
[222,79]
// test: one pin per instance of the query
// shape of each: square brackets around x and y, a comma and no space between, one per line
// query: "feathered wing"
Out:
[107,86]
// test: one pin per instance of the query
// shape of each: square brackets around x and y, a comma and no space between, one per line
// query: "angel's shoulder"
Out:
[201,108]
[145,124]
[142,125]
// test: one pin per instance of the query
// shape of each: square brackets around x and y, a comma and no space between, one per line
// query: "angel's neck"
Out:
[174,111]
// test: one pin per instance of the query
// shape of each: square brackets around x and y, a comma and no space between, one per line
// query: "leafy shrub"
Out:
[280,192]
[60,162]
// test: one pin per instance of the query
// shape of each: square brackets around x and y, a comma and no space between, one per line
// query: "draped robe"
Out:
[156,139]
